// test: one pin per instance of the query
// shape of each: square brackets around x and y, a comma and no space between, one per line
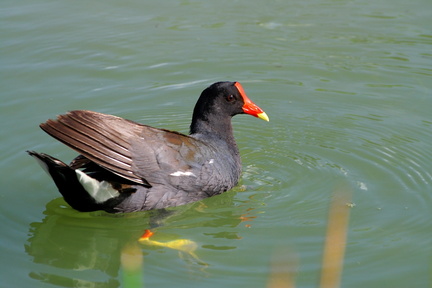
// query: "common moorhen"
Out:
[125,166]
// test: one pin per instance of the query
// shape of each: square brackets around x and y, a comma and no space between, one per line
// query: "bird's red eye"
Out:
[230,98]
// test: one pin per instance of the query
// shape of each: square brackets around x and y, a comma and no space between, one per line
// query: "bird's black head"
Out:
[218,103]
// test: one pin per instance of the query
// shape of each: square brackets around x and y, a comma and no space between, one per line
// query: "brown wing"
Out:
[119,145]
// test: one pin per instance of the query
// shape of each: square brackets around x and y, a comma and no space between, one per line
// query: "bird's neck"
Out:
[219,135]
[214,128]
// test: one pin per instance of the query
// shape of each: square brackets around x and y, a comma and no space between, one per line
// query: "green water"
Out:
[347,86]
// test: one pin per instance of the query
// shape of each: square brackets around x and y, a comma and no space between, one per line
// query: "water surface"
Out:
[346,84]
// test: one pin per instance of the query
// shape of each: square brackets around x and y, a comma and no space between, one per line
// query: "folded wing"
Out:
[139,153]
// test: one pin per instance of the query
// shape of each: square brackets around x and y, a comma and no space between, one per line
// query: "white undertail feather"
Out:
[101,191]
[43,165]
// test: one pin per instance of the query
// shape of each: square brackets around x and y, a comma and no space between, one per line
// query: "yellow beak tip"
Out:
[263,116]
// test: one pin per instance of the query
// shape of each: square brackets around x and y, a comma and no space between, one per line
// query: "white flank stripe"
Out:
[100,191]
[181,173]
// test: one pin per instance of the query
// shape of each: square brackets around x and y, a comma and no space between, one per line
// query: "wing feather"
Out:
[96,136]
[139,153]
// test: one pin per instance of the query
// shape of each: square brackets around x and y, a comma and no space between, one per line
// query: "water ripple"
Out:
[383,159]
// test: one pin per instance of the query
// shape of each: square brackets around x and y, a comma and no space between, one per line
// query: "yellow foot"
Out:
[182,245]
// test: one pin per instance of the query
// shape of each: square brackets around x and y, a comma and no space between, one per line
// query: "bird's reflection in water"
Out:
[75,249]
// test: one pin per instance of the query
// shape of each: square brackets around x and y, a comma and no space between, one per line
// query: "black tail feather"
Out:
[67,182]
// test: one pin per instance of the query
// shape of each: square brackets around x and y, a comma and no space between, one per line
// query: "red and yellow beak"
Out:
[249,107]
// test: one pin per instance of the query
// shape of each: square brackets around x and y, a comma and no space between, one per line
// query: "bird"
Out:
[124,166]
